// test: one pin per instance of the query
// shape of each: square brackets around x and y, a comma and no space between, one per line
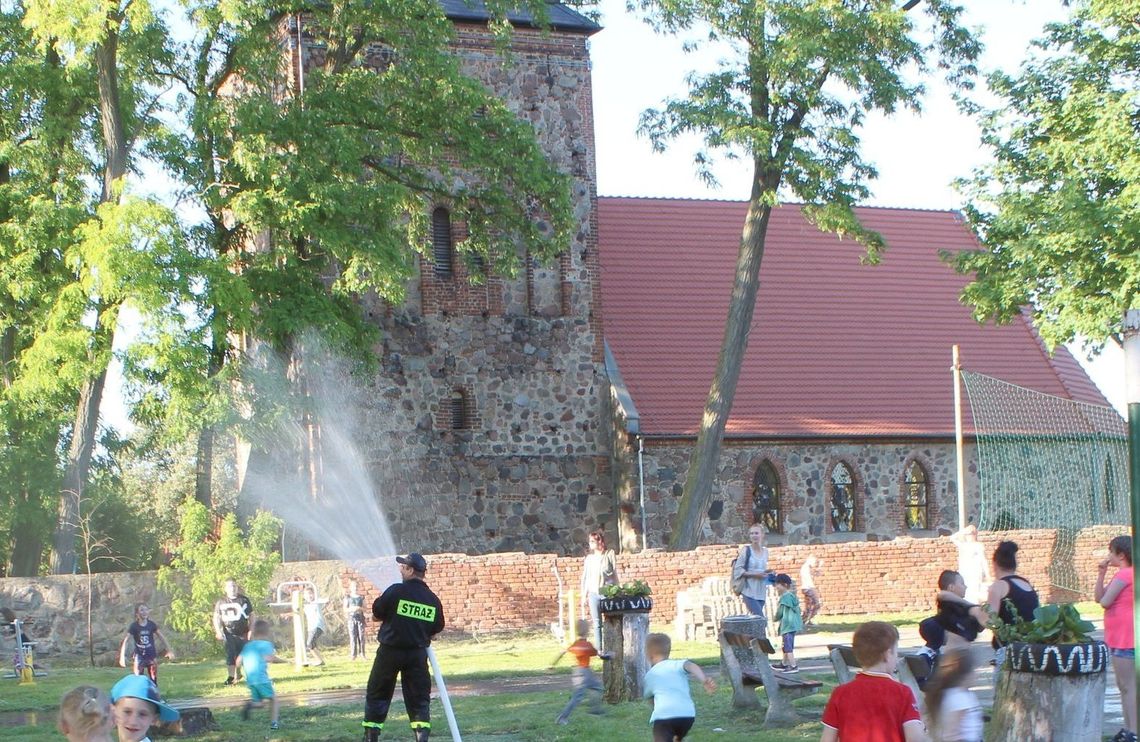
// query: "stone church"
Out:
[524,412]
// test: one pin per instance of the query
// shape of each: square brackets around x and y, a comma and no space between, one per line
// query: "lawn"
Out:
[504,717]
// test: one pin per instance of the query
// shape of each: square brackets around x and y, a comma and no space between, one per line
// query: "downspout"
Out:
[641,492]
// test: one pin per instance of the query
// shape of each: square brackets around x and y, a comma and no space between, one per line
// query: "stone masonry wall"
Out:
[529,470]
[514,591]
[804,470]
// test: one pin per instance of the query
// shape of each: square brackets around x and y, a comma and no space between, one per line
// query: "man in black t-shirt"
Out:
[410,615]
[233,616]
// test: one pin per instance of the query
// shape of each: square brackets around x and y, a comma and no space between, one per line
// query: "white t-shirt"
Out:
[969,727]
[667,684]
[807,579]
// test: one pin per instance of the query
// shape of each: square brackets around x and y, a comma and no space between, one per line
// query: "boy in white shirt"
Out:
[667,688]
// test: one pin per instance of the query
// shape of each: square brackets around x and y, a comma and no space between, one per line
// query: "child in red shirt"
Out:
[583,677]
[874,707]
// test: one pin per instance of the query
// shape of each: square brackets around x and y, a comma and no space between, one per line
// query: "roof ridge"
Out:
[694,199]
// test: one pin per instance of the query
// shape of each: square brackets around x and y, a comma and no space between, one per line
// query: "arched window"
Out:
[766,498]
[842,499]
[917,494]
[461,412]
[442,252]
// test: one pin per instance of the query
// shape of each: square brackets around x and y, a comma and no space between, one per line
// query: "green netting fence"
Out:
[1047,462]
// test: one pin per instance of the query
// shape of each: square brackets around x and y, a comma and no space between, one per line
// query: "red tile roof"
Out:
[838,348]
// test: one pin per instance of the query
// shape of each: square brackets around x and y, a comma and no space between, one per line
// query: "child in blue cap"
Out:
[137,706]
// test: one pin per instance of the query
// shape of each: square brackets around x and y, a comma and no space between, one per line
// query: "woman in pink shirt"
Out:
[1117,601]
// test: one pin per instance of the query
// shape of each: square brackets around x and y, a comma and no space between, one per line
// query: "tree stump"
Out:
[623,636]
[1035,707]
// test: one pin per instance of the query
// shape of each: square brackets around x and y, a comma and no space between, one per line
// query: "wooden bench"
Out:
[911,668]
[746,664]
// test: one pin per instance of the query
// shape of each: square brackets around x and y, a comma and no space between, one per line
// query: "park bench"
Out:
[746,664]
[911,669]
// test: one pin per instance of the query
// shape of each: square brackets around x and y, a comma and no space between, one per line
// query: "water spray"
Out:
[343,515]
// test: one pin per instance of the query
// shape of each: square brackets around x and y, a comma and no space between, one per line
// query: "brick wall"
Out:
[513,591]
[500,592]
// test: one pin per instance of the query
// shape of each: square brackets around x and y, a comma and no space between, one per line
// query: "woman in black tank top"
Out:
[1009,585]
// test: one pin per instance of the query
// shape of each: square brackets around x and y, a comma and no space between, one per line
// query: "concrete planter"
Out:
[626,604]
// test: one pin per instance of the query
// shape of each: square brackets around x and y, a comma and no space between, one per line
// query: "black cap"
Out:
[415,560]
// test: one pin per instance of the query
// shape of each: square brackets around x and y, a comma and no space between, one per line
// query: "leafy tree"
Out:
[797,81]
[340,169]
[1058,210]
[202,562]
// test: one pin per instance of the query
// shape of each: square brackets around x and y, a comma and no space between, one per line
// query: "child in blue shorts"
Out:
[254,659]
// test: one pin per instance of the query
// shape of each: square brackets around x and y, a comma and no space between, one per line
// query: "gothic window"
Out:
[461,410]
[766,498]
[842,499]
[442,250]
[917,493]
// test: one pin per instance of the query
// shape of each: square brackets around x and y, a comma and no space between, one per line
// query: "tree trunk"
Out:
[1034,707]
[27,548]
[115,150]
[204,468]
[742,305]
[75,475]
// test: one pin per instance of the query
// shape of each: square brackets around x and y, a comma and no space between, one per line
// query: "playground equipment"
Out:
[291,595]
[23,655]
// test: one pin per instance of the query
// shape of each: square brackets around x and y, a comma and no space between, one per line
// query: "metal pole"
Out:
[958,444]
[1132,396]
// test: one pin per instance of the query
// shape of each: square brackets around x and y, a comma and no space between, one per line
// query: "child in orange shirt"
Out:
[583,677]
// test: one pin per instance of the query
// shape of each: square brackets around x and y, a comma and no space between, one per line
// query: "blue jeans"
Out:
[754,606]
[596,619]
[583,680]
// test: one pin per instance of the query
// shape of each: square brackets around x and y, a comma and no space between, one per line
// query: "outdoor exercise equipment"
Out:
[291,595]
[23,655]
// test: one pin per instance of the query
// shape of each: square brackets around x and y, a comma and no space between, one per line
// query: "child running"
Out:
[254,660]
[138,706]
[85,715]
[954,710]
[315,622]
[667,688]
[142,641]
[789,619]
[583,678]
[873,707]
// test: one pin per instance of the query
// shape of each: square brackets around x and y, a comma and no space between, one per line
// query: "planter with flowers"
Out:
[628,597]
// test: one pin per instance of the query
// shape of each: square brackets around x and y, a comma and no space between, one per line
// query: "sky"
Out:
[918,155]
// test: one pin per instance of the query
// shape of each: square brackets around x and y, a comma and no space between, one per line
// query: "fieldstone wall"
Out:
[486,426]
[514,591]
[804,471]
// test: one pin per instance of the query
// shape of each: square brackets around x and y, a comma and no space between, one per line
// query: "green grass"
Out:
[521,717]
[504,717]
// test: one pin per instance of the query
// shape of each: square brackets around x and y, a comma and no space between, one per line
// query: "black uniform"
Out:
[411,615]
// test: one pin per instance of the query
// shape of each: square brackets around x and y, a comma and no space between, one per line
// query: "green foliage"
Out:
[634,589]
[203,562]
[1058,211]
[1051,624]
[796,87]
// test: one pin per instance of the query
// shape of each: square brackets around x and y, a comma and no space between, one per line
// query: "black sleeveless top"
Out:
[1025,601]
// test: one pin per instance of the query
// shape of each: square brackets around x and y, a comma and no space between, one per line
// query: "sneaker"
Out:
[274,726]
[778,666]
[793,668]
[245,710]
[563,720]
[229,681]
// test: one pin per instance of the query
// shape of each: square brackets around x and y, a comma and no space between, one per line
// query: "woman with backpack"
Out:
[750,573]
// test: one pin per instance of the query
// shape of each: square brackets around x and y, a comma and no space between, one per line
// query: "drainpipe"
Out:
[641,492]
